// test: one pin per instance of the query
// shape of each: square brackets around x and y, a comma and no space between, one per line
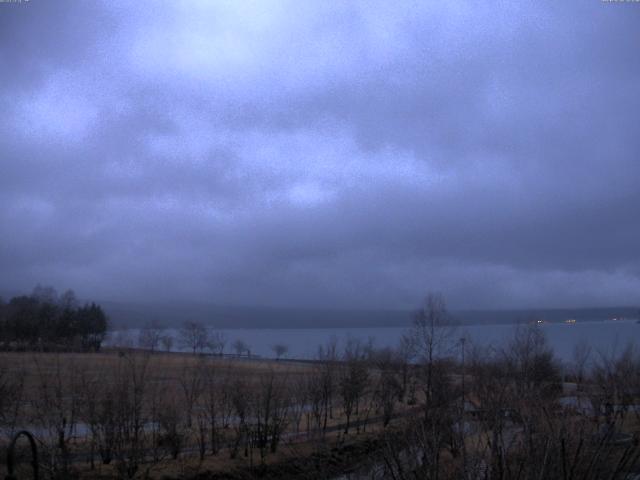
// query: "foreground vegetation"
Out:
[434,408]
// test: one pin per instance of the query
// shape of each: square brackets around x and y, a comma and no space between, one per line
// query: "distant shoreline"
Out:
[307,326]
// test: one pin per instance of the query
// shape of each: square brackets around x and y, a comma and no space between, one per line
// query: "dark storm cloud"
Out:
[322,154]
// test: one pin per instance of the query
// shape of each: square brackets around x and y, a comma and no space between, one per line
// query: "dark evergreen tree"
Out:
[42,321]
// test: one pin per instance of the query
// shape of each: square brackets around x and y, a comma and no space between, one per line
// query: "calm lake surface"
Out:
[603,337]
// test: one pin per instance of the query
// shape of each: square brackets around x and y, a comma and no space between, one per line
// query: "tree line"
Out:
[47,321]
[192,336]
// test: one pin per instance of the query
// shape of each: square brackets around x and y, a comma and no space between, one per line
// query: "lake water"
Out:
[603,337]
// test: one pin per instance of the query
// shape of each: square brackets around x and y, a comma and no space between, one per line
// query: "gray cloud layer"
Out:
[325,154]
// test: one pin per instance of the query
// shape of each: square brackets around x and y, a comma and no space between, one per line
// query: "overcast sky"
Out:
[335,154]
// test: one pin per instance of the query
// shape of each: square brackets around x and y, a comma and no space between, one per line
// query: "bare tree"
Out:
[191,383]
[167,342]
[150,336]
[354,380]
[214,390]
[11,400]
[217,342]
[240,347]
[387,391]
[56,409]
[432,337]
[194,336]
[299,395]
[580,361]
[269,405]
[328,357]
[617,377]
[523,437]
[315,393]
[403,356]
[172,422]
[240,396]
[130,392]
[279,349]
[421,447]
[531,362]
[99,409]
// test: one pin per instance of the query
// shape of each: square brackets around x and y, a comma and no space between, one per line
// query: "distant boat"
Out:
[570,321]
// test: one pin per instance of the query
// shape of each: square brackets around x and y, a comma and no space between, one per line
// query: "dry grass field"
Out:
[258,410]
[132,414]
